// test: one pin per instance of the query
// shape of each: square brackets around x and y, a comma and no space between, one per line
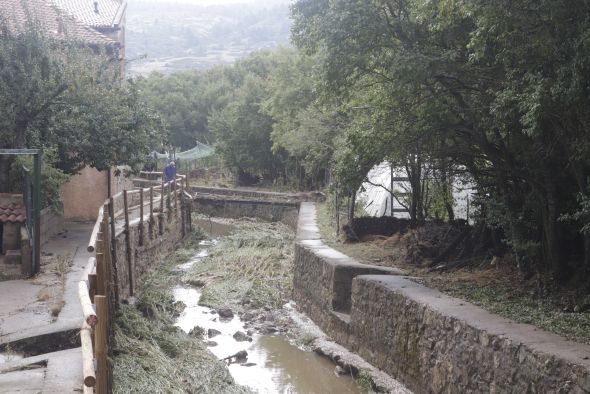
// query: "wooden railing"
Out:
[97,291]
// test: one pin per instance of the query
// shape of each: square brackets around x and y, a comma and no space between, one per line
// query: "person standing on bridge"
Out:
[170,171]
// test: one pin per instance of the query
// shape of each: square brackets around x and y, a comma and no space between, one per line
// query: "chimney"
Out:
[96,6]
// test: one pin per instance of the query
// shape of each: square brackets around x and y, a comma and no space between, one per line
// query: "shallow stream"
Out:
[273,364]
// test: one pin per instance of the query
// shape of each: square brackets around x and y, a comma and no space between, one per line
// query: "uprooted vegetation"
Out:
[253,264]
[467,263]
[151,355]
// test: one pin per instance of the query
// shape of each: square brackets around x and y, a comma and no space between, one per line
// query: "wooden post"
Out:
[151,219]
[100,269]
[87,310]
[126,209]
[128,242]
[113,252]
[92,281]
[162,197]
[169,200]
[151,203]
[141,216]
[113,223]
[161,215]
[101,351]
[176,195]
[87,357]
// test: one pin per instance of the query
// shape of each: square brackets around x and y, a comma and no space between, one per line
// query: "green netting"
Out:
[198,152]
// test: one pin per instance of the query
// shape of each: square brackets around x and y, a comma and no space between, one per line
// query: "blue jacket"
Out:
[170,172]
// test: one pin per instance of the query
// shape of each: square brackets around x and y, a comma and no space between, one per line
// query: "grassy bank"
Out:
[496,288]
[151,355]
[251,265]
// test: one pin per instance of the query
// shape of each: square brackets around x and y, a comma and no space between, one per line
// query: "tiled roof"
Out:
[17,13]
[84,11]
[12,208]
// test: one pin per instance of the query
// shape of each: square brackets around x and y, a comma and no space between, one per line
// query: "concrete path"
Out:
[27,319]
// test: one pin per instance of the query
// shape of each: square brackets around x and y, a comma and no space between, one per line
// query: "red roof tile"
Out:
[12,208]
[96,13]
[17,13]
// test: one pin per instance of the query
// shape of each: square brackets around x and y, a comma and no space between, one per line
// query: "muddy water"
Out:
[273,365]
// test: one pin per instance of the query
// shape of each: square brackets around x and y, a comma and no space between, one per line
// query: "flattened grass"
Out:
[254,262]
[154,356]
[151,355]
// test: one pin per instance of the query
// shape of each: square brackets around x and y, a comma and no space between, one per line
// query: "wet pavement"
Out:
[25,315]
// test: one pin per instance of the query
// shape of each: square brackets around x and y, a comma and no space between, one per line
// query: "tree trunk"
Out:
[351,207]
[5,162]
[551,248]
[448,194]
[414,172]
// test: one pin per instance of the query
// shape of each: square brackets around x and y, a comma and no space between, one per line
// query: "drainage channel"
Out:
[265,363]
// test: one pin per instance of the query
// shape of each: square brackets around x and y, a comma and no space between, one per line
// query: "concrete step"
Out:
[57,372]
[23,382]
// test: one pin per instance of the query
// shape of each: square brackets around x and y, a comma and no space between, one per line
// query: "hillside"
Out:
[169,37]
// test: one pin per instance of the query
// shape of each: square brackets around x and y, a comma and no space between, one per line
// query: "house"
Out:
[15,250]
[17,13]
[86,192]
[100,24]
[106,17]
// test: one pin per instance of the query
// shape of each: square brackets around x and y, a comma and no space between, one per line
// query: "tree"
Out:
[496,88]
[64,96]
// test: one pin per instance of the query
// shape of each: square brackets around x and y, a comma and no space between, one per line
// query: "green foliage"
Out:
[262,112]
[496,89]
[68,99]
[51,178]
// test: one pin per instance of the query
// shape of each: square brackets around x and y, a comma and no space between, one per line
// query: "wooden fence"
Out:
[97,290]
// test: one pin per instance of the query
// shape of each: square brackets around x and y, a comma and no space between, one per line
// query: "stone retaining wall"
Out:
[160,238]
[227,207]
[430,342]
[52,223]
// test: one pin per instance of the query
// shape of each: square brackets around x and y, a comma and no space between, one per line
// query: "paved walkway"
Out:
[26,317]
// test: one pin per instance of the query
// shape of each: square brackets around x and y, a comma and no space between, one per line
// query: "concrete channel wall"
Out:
[232,207]
[430,342]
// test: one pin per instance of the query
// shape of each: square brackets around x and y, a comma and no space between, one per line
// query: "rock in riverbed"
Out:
[225,313]
[241,337]
[212,332]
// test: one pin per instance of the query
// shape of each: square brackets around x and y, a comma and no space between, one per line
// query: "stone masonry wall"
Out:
[142,257]
[235,208]
[52,223]
[430,342]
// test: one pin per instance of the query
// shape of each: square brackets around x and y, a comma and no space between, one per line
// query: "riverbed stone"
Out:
[268,329]
[248,315]
[213,332]
[225,313]
[241,337]
[197,332]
